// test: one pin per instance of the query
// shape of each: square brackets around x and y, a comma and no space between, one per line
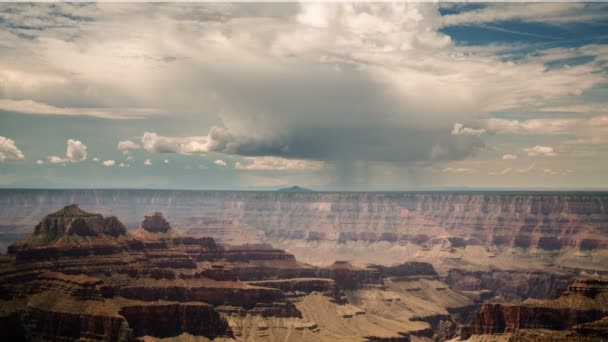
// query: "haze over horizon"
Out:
[360,97]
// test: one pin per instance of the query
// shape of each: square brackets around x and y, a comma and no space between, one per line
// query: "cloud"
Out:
[343,83]
[509,156]
[540,151]
[76,151]
[220,162]
[530,12]
[125,146]
[459,129]
[458,170]
[147,162]
[109,163]
[39,162]
[337,85]
[532,126]
[8,150]
[275,163]
[509,170]
[57,160]
[166,161]
[38,108]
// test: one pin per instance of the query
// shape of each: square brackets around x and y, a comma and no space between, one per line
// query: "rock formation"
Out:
[578,315]
[81,276]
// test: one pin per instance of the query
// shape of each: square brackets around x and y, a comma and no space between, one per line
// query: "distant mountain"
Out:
[294,189]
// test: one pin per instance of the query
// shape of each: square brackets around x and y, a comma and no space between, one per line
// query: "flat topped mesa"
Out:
[71,220]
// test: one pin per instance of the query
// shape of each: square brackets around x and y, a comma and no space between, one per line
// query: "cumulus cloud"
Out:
[109,163]
[460,129]
[76,151]
[8,150]
[540,151]
[275,163]
[509,156]
[125,146]
[220,162]
[147,162]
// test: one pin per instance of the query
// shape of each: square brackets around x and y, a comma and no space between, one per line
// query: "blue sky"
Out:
[328,96]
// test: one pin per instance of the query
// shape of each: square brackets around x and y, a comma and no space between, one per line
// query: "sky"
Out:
[326,96]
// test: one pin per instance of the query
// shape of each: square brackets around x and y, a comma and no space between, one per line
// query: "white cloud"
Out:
[533,126]
[109,163]
[33,107]
[147,162]
[57,160]
[220,162]
[459,129]
[166,161]
[509,156]
[510,170]
[530,12]
[458,170]
[393,62]
[39,161]
[126,146]
[540,151]
[276,163]
[8,150]
[76,151]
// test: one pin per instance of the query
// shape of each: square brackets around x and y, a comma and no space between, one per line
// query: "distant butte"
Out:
[294,188]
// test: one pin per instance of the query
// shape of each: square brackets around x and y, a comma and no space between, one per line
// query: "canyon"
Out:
[82,276]
[304,265]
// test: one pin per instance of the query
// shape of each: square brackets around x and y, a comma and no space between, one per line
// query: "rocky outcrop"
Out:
[155,223]
[511,285]
[585,301]
[72,220]
[348,276]
[407,269]
[168,319]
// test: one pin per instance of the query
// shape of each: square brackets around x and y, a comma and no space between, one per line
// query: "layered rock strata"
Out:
[81,276]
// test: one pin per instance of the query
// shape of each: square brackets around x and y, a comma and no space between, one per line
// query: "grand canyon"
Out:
[126,265]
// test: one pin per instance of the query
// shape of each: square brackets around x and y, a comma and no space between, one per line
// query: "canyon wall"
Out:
[555,229]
